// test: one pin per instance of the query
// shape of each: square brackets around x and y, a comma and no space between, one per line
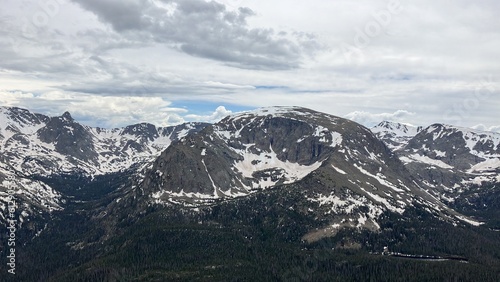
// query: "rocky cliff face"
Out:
[248,151]
[69,138]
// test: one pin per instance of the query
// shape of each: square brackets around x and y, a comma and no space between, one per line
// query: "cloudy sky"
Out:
[117,62]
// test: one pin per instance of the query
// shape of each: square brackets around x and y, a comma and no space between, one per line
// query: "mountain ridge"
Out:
[34,145]
[243,153]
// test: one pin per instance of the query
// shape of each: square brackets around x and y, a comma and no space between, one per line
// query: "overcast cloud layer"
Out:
[117,62]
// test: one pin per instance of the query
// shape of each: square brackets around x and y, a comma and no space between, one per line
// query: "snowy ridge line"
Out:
[469,154]
[291,112]
[114,149]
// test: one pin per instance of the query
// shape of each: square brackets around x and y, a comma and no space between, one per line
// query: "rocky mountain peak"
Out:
[334,162]
[395,135]
[67,116]
[69,138]
[401,129]
[145,131]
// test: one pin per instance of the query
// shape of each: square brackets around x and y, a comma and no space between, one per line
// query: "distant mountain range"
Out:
[34,145]
[335,172]
[447,159]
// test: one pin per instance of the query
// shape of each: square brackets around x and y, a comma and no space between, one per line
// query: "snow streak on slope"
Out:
[425,159]
[380,178]
[487,165]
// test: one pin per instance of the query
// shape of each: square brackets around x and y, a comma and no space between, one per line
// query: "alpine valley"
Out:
[274,194]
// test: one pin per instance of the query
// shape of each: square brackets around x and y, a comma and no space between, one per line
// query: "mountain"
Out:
[34,146]
[277,194]
[242,154]
[449,159]
[445,159]
[346,175]
[62,145]
[395,135]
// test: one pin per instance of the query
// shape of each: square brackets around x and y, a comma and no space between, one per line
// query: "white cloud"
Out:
[482,127]
[369,119]
[97,110]
[14,98]
[185,24]
[219,113]
[217,84]
[114,111]
[495,128]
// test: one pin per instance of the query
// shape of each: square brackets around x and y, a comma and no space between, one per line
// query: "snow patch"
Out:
[339,170]
[487,165]
[251,163]
[426,160]
[470,221]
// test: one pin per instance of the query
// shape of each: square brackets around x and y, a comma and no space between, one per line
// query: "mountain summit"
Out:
[340,167]
[395,135]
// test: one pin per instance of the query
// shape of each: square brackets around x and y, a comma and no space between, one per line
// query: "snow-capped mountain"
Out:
[37,145]
[449,159]
[341,166]
[345,173]
[395,135]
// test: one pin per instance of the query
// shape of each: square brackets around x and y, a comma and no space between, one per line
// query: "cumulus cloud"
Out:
[97,110]
[370,119]
[113,111]
[219,113]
